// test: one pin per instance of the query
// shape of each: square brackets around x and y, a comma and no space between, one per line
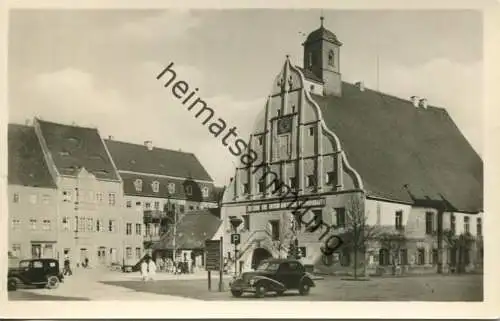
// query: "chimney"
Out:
[423,103]
[360,85]
[110,137]
[148,144]
[414,100]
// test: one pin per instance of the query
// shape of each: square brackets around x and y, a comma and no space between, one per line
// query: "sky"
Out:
[97,67]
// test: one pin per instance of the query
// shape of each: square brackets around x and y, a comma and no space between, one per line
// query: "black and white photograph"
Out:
[245,155]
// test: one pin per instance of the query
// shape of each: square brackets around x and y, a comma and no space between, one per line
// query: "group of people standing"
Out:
[148,269]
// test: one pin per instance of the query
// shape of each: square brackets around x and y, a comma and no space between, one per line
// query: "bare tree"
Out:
[358,232]
[393,241]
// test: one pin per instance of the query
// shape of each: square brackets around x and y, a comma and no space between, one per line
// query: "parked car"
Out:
[38,272]
[273,275]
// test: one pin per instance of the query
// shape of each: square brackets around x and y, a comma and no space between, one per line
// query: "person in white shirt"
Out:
[144,270]
[151,269]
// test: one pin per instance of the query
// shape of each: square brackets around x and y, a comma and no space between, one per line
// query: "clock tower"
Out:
[322,58]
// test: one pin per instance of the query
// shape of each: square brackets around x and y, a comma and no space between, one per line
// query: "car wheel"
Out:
[12,284]
[260,290]
[280,292]
[304,288]
[53,282]
[236,293]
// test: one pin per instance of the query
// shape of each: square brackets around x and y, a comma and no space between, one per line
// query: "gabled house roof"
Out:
[158,161]
[73,148]
[402,152]
[26,161]
[193,229]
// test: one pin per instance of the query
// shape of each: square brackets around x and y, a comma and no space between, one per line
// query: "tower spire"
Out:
[321,18]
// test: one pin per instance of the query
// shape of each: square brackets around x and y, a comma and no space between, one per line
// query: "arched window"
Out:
[383,257]
[331,58]
[310,59]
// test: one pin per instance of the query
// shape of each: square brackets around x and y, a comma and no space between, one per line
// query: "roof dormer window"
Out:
[138,185]
[156,186]
[171,188]
[205,191]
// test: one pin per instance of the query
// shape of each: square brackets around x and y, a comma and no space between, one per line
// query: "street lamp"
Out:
[235,239]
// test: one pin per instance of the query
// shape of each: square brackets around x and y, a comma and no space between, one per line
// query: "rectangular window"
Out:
[479,226]
[157,205]
[128,229]
[16,224]
[246,188]
[453,226]
[275,229]
[138,204]
[66,196]
[466,224]
[399,220]
[261,140]
[65,223]
[340,211]
[434,257]
[148,229]
[129,204]
[284,147]
[81,224]
[429,223]
[246,222]
[330,178]
[147,205]
[137,252]
[138,229]
[403,256]
[311,131]
[99,197]
[129,252]
[189,190]
[112,226]
[32,224]
[261,186]
[112,199]
[420,256]
[292,182]
[15,198]
[311,180]
[90,224]
[98,225]
[46,226]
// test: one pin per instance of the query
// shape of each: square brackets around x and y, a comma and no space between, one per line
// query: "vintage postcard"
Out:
[291,157]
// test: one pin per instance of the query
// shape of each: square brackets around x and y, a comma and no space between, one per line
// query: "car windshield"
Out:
[24,264]
[268,266]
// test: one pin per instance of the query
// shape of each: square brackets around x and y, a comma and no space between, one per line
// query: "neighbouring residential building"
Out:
[32,195]
[159,182]
[189,236]
[85,216]
[331,142]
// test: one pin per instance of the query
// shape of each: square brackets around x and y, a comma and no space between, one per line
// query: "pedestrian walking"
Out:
[67,266]
[151,270]
[144,270]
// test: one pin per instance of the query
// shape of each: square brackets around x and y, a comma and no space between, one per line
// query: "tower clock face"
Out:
[285,125]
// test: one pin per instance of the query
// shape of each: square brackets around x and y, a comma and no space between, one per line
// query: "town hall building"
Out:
[412,171]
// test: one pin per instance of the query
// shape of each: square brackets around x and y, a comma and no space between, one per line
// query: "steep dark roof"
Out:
[158,161]
[73,147]
[323,34]
[193,230]
[391,144]
[310,75]
[27,165]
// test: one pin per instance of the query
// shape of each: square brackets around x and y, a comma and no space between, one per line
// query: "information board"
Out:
[212,255]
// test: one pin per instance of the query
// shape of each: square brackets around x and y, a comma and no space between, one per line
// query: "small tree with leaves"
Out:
[393,241]
[459,245]
[358,232]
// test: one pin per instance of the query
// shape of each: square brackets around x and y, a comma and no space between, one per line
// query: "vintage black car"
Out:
[38,272]
[273,275]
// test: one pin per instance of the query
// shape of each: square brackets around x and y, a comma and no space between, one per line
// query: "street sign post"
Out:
[213,260]
[235,238]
